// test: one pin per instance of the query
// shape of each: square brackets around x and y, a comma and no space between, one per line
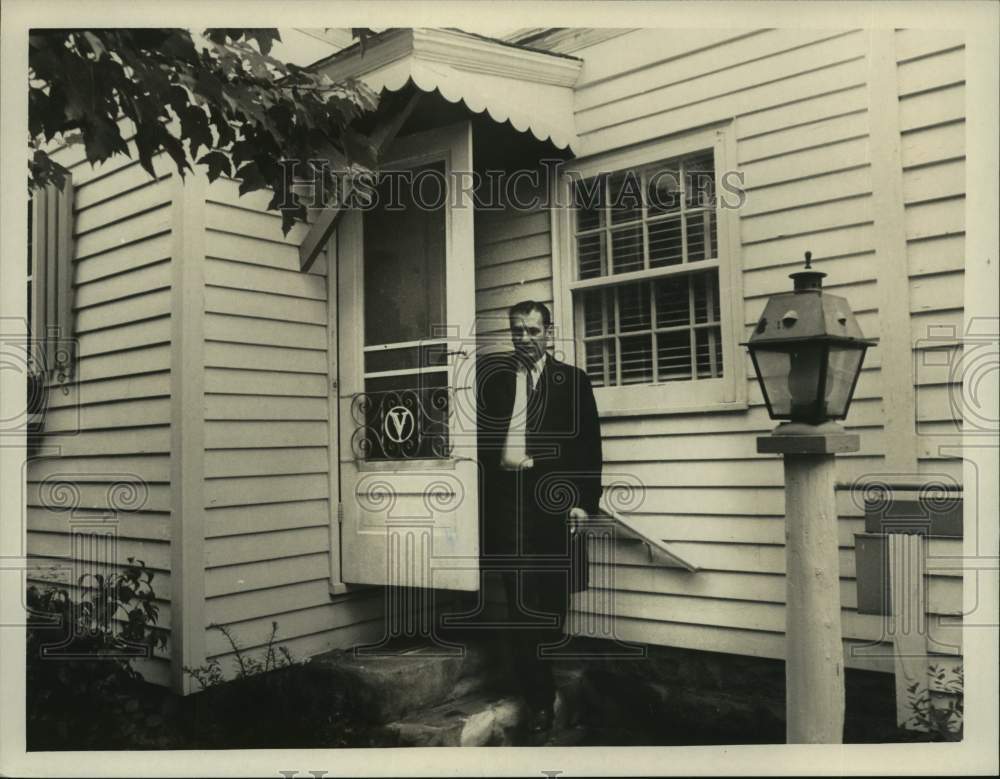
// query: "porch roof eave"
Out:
[531,89]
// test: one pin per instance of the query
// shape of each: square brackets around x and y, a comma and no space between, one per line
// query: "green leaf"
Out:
[265,38]
[194,127]
[250,178]
[218,164]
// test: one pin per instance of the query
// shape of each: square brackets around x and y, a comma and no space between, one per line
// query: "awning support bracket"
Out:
[321,230]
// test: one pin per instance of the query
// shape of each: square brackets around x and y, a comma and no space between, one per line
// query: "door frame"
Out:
[345,269]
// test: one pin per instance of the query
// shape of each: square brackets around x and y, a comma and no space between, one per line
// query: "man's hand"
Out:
[576,516]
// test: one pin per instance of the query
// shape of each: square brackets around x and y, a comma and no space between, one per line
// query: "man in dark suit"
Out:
[540,478]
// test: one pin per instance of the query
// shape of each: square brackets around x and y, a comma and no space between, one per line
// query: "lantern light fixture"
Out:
[807,350]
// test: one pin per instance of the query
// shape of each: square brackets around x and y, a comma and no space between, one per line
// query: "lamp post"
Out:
[807,351]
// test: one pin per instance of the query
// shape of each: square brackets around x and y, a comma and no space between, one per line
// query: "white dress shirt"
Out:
[514,456]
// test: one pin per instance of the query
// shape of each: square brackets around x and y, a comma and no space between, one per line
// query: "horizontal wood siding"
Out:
[267,493]
[798,101]
[105,464]
[931,78]
[513,263]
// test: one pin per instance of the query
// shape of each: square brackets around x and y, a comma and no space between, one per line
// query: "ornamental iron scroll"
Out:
[401,424]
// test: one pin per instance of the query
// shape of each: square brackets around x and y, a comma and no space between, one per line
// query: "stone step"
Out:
[490,718]
[386,685]
[479,720]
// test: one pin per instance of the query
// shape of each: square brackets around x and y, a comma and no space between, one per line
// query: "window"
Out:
[653,275]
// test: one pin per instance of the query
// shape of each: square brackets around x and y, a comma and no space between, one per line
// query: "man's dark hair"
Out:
[525,307]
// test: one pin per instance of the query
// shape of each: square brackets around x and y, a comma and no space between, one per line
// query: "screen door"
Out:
[406,297]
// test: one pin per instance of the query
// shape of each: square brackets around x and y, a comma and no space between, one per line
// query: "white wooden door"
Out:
[406,297]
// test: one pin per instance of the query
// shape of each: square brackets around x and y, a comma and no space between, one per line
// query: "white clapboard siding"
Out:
[843,70]
[123,285]
[932,110]
[120,259]
[253,547]
[149,305]
[513,263]
[261,462]
[131,336]
[264,332]
[934,181]
[154,194]
[732,71]
[155,554]
[266,517]
[944,594]
[932,119]
[107,432]
[126,524]
[739,615]
[264,574]
[138,227]
[266,405]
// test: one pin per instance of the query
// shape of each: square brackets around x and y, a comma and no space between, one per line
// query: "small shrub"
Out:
[82,688]
[942,723]
[210,674]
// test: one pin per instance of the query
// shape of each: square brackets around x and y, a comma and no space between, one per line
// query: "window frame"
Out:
[728,393]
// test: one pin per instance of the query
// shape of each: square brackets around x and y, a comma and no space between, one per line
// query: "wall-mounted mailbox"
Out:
[923,512]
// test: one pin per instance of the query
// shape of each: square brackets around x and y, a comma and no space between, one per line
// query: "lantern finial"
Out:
[808,279]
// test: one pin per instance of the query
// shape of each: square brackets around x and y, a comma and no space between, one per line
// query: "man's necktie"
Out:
[515,456]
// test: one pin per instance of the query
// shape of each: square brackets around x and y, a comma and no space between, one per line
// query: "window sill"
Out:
[700,408]
[699,397]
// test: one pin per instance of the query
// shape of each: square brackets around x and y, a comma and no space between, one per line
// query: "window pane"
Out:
[409,358]
[709,358]
[665,247]
[590,255]
[625,197]
[699,180]
[701,240]
[626,249]
[589,202]
[672,304]
[593,312]
[673,355]
[706,297]
[663,189]
[637,359]
[843,366]
[633,308]
[596,362]
[404,270]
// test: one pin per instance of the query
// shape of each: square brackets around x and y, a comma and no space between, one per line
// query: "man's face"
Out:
[528,334]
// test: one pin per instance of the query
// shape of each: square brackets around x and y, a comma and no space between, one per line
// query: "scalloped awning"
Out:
[531,89]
